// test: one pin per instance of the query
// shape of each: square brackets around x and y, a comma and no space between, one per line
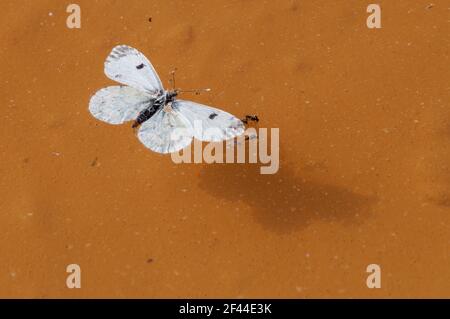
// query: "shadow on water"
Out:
[283,202]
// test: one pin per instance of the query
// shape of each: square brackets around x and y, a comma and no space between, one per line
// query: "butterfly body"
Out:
[154,106]
[147,113]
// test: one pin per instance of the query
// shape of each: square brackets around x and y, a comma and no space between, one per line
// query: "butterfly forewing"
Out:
[118,104]
[208,123]
[128,66]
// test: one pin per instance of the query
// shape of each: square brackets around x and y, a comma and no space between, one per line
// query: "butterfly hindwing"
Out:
[166,132]
[118,104]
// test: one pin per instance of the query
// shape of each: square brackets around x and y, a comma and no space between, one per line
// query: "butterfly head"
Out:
[170,95]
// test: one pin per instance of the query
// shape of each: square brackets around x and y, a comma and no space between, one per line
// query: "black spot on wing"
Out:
[212,116]
[140,66]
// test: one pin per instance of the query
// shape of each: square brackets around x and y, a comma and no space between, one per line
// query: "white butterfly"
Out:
[166,124]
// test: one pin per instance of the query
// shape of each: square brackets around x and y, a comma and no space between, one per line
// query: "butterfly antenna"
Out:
[196,91]
[173,78]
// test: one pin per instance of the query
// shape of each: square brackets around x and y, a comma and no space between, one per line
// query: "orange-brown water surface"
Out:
[364,178]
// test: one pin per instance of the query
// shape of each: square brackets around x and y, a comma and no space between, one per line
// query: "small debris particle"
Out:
[94,162]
